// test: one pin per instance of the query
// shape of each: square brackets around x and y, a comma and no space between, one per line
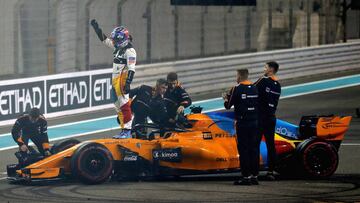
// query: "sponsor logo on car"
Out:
[170,155]
[333,125]
[130,158]
[207,135]
[286,132]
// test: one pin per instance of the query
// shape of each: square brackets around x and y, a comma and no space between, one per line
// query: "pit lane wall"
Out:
[78,92]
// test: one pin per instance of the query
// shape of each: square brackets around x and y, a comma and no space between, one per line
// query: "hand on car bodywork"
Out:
[24,148]
[180,110]
[47,153]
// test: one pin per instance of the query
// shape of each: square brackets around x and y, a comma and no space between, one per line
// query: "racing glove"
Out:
[47,153]
[180,110]
[24,148]
[98,30]
[128,81]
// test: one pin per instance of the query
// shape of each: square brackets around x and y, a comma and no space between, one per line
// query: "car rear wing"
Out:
[325,127]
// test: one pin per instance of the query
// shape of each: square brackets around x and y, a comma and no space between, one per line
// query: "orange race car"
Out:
[207,145]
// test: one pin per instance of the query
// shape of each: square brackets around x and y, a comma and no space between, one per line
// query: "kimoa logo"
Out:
[165,154]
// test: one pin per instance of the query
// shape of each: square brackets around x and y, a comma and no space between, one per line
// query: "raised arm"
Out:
[102,37]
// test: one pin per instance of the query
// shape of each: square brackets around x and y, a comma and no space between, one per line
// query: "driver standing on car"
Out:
[123,73]
[176,98]
[31,126]
[244,97]
[269,90]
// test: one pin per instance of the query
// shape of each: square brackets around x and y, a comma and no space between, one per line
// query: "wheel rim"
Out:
[94,163]
[320,160]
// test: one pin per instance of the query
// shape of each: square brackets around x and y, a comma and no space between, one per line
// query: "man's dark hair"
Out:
[273,65]
[244,73]
[172,76]
[161,81]
[34,112]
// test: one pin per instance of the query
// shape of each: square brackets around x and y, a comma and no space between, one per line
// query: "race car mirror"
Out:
[196,109]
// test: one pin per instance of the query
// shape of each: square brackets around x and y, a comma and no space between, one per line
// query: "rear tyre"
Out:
[92,163]
[63,145]
[318,159]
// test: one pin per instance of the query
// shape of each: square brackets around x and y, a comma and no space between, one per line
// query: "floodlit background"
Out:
[41,37]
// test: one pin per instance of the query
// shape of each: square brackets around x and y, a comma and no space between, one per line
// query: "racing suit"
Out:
[269,90]
[122,75]
[244,97]
[123,70]
[24,129]
[174,98]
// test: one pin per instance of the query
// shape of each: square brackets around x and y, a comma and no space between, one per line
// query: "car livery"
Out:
[208,146]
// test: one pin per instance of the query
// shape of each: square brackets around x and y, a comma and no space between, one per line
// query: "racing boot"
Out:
[124,134]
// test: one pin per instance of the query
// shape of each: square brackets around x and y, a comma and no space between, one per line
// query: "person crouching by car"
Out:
[149,102]
[244,98]
[32,126]
[176,98]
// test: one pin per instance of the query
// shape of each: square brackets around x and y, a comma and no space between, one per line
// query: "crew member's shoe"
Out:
[254,180]
[124,134]
[244,181]
[270,176]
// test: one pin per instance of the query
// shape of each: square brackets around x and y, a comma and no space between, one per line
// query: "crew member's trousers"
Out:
[267,128]
[248,148]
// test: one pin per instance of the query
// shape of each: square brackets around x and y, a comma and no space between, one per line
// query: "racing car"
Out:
[207,145]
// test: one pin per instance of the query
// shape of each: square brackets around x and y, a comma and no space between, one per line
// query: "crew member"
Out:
[269,90]
[123,72]
[176,98]
[149,102]
[31,126]
[244,97]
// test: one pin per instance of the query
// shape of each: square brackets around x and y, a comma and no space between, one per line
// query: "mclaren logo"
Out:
[333,125]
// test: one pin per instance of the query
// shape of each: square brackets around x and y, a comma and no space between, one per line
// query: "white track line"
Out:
[318,91]
[197,102]
[350,144]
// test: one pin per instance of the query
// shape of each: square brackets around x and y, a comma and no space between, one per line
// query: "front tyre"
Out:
[92,163]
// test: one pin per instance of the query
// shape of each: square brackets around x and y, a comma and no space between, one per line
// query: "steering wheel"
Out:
[138,127]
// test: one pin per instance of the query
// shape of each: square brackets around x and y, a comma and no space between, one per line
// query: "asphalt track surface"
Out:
[342,186]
